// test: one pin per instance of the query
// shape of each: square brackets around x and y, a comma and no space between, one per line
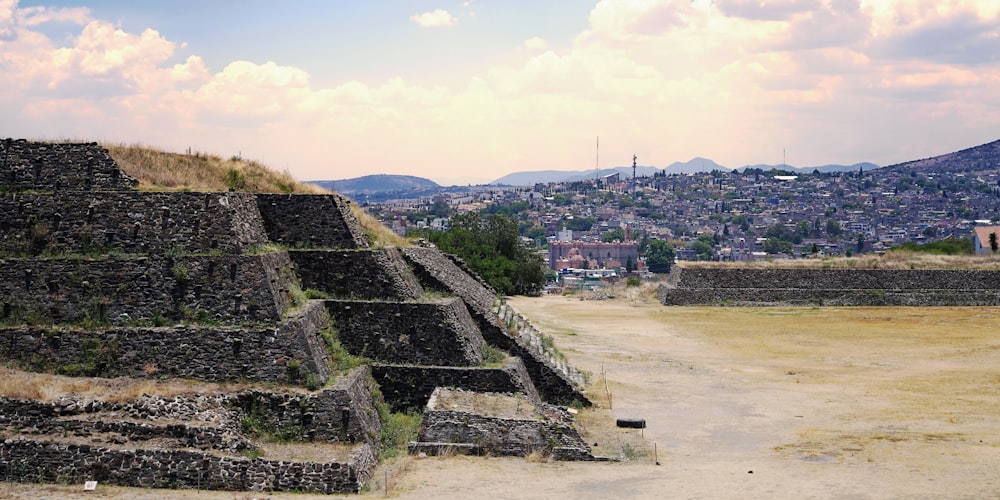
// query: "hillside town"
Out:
[735,215]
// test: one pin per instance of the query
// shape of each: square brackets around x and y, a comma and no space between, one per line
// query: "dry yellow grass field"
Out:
[747,403]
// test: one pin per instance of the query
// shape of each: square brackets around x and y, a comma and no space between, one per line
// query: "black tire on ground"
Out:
[632,423]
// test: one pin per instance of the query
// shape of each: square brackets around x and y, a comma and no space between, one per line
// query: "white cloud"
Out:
[34,16]
[434,19]
[668,80]
[535,43]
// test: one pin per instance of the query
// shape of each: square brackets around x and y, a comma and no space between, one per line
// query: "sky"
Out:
[465,92]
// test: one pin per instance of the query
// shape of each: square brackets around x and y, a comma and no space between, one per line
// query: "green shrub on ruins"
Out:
[492,246]
[398,429]
[340,360]
[493,356]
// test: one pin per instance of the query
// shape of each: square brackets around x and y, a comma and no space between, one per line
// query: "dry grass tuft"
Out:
[47,387]
[162,171]
[488,403]
[379,235]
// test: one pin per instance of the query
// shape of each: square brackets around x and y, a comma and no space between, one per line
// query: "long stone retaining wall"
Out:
[117,290]
[128,222]
[214,353]
[46,462]
[860,287]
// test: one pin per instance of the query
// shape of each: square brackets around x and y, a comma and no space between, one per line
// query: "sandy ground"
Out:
[767,403]
[749,403]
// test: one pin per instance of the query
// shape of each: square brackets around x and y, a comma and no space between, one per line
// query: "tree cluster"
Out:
[491,245]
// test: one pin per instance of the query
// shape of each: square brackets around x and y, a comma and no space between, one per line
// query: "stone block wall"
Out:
[213,353]
[41,166]
[123,290]
[311,221]
[437,334]
[861,287]
[408,387]
[357,274]
[192,423]
[439,272]
[535,427]
[32,461]
[129,222]
[344,413]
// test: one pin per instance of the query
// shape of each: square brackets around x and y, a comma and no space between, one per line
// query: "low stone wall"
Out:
[841,287]
[409,387]
[42,166]
[227,288]
[117,423]
[128,222]
[311,221]
[357,274]
[213,353]
[344,413]
[437,334]
[46,462]
[530,428]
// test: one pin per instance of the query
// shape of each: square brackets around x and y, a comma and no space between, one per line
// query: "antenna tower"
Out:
[597,162]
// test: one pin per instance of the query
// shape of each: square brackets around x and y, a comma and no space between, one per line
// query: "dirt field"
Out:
[748,403]
[768,403]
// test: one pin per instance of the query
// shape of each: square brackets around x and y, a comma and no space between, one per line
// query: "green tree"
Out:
[492,247]
[833,227]
[629,264]
[616,234]
[659,256]
[777,245]
[703,249]
[993,242]
[579,223]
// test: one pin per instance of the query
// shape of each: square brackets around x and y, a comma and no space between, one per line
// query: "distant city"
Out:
[719,214]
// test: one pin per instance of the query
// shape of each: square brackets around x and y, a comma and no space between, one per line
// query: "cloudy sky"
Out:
[468,91]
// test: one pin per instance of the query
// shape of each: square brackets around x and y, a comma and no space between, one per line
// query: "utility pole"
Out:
[634,181]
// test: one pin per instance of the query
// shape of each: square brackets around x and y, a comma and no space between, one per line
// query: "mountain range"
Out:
[379,183]
[376,186]
[693,166]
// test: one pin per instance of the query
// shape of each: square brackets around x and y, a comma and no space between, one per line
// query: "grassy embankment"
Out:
[159,170]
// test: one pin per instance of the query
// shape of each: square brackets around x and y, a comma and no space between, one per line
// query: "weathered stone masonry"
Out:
[357,274]
[88,266]
[262,352]
[863,287]
[310,221]
[129,222]
[436,334]
[229,288]
[408,387]
[33,461]
[53,167]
